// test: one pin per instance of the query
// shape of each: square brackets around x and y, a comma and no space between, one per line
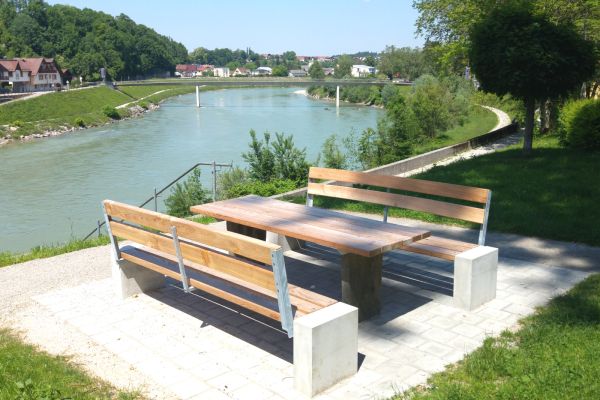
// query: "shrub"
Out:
[260,188]
[111,112]
[228,179]
[144,105]
[185,195]
[279,159]
[79,122]
[580,124]
[333,156]
[18,123]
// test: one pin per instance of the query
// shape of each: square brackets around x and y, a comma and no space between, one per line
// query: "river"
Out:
[51,189]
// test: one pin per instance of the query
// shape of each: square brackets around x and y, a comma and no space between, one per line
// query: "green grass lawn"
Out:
[61,105]
[9,258]
[554,355]
[138,92]
[480,121]
[550,194]
[28,373]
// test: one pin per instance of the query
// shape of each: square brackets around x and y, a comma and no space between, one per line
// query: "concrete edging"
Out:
[422,160]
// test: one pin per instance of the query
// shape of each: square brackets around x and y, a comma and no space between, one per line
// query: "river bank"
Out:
[57,114]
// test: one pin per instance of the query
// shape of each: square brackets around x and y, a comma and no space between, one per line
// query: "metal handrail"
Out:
[154,197]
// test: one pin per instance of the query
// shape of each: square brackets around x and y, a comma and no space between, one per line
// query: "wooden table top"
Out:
[344,232]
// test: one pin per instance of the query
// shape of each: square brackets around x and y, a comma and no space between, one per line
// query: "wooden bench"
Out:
[475,265]
[242,270]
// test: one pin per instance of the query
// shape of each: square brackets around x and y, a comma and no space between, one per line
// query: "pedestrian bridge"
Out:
[258,82]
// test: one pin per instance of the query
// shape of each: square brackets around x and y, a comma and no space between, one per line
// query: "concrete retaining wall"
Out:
[420,161]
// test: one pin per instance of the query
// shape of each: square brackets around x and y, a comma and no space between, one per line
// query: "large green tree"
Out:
[513,51]
[85,40]
[316,71]
[343,67]
[403,62]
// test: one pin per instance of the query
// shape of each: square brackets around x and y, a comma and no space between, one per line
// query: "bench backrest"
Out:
[437,207]
[205,249]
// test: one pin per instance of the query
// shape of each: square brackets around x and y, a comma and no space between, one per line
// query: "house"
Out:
[328,71]
[221,72]
[359,71]
[30,74]
[185,70]
[262,71]
[241,71]
[297,73]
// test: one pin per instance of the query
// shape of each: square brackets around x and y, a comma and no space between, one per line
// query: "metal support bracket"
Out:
[486,214]
[386,209]
[184,278]
[283,294]
[113,240]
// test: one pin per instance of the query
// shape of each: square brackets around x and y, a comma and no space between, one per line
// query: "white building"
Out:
[222,72]
[262,71]
[359,71]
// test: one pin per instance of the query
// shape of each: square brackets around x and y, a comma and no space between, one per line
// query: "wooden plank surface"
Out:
[248,247]
[344,232]
[459,211]
[442,189]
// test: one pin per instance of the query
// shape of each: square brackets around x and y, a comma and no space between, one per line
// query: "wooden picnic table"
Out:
[361,241]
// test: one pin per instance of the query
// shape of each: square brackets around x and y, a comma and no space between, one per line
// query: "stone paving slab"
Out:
[199,347]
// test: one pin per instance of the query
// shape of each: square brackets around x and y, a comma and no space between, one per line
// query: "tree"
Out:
[430,103]
[370,61]
[343,67]
[333,156]
[516,52]
[404,62]
[280,70]
[316,71]
[185,195]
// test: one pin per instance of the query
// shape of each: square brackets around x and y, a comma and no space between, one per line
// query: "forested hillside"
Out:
[85,40]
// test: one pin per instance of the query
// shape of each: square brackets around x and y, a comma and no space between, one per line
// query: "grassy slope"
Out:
[479,122]
[61,105]
[554,355]
[550,194]
[55,110]
[27,373]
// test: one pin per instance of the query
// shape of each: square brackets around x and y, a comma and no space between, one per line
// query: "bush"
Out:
[333,156]
[280,159]
[228,179]
[18,123]
[264,189]
[144,105]
[79,122]
[111,112]
[185,195]
[580,124]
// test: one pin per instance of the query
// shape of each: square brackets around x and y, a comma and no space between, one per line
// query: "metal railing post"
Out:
[99,226]
[214,189]
[155,201]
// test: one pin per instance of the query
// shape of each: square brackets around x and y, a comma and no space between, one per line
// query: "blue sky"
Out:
[309,27]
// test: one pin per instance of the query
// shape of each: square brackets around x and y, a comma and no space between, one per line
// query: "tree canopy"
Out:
[316,71]
[85,40]
[514,51]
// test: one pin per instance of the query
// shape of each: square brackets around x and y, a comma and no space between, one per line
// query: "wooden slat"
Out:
[442,189]
[237,244]
[206,257]
[304,300]
[329,228]
[458,211]
[439,247]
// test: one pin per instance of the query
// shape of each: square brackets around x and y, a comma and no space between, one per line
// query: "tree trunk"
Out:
[553,115]
[529,120]
[543,116]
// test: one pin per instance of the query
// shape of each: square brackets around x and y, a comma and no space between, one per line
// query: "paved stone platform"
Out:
[199,347]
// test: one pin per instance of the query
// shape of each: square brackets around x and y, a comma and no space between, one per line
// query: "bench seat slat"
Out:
[439,247]
[223,285]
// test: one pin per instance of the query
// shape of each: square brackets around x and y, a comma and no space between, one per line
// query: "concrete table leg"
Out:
[361,280]
[286,242]
[246,230]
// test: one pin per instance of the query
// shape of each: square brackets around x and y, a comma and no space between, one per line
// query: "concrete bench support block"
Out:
[286,243]
[129,279]
[325,348]
[475,273]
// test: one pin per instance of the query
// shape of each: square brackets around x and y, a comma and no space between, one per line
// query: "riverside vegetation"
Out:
[59,112]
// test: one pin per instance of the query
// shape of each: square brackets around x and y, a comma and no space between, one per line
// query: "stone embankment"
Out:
[135,111]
